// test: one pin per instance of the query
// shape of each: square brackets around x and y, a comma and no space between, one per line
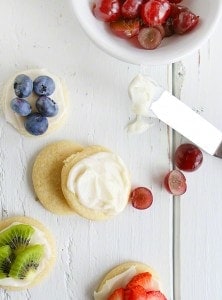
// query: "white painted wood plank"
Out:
[45,34]
[201,207]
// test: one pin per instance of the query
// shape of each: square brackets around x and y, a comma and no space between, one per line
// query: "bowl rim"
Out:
[134,59]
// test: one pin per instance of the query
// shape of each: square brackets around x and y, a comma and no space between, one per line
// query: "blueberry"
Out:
[21,106]
[36,124]
[44,86]
[23,86]
[46,106]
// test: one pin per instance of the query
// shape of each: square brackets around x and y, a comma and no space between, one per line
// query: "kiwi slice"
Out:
[26,262]
[5,260]
[17,236]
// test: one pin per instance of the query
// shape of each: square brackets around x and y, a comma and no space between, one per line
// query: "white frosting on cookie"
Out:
[100,182]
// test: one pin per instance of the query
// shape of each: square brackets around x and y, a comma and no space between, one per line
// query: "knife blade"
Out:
[187,122]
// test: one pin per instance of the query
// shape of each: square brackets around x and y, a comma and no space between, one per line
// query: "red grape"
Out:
[141,198]
[131,8]
[146,22]
[168,27]
[184,21]
[149,37]
[175,183]
[188,157]
[161,30]
[175,1]
[125,28]
[107,10]
[155,12]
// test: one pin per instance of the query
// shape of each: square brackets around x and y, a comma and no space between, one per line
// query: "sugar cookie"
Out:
[46,175]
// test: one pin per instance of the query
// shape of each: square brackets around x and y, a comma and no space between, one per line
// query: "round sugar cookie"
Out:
[89,187]
[46,175]
[49,263]
[139,268]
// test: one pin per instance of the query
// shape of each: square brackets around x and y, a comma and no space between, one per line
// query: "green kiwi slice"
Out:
[17,236]
[27,262]
[5,260]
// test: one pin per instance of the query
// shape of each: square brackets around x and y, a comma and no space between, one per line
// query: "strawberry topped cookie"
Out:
[130,281]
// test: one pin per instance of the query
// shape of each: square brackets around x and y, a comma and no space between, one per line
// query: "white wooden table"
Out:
[181,237]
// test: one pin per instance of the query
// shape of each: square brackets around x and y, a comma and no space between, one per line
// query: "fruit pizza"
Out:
[35,102]
[27,253]
[130,281]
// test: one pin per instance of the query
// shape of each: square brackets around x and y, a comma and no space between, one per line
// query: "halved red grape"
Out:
[141,198]
[184,21]
[155,12]
[161,30]
[188,157]
[149,38]
[175,183]
[107,10]
[125,28]
[131,8]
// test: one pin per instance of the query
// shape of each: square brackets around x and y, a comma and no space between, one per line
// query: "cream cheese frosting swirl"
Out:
[100,182]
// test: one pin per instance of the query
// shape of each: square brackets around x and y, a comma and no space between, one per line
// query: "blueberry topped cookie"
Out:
[35,102]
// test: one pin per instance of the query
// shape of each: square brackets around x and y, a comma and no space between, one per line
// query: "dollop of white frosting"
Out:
[100,182]
[138,125]
[141,92]
[38,237]
[59,96]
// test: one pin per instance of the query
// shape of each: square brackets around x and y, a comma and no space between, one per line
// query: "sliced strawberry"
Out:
[145,280]
[135,293]
[125,28]
[118,294]
[155,295]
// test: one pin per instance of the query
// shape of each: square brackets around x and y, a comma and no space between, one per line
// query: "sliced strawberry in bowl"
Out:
[125,28]
[135,293]
[118,294]
[146,280]
[155,295]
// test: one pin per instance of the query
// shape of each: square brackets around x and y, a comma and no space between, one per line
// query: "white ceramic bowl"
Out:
[171,49]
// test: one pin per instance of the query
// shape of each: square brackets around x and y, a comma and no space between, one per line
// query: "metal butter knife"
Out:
[187,122]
